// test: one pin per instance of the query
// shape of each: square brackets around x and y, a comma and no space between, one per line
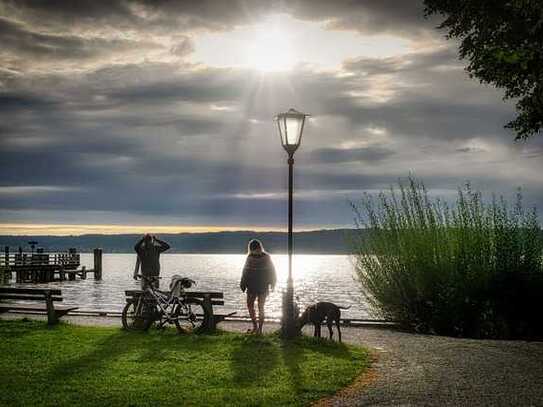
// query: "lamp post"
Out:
[32,244]
[290,126]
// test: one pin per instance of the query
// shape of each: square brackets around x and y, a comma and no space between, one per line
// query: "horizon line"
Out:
[22,229]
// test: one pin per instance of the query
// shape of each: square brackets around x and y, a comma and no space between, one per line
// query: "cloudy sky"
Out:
[122,116]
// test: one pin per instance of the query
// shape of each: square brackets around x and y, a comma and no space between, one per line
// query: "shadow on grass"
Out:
[296,351]
[253,358]
[18,328]
[293,356]
[327,346]
[141,347]
[112,347]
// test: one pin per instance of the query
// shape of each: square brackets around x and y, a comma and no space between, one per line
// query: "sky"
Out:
[132,116]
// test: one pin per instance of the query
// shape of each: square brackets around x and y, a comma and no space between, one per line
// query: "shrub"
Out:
[473,268]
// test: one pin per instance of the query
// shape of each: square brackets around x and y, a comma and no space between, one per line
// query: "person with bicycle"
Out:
[257,278]
[148,249]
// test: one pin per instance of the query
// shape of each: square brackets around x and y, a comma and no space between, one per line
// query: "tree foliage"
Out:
[503,42]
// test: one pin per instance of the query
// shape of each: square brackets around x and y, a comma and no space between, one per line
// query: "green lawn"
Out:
[82,366]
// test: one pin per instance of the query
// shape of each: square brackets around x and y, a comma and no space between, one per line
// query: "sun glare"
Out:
[281,42]
[271,48]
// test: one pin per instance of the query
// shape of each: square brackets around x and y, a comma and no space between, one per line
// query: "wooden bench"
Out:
[209,299]
[45,295]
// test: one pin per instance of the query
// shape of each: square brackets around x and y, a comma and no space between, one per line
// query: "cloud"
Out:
[470,150]
[75,13]
[21,41]
[342,155]
[399,17]
[102,118]
[182,47]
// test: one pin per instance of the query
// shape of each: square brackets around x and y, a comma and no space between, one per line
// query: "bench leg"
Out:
[52,317]
[209,318]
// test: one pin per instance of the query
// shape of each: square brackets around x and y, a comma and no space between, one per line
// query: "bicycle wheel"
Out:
[133,319]
[190,316]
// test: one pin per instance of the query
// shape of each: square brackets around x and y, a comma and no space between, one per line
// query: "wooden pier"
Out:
[43,267]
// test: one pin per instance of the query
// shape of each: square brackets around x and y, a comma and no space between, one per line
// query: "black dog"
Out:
[316,314]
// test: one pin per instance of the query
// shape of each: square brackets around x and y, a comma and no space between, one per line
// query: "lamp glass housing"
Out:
[291,126]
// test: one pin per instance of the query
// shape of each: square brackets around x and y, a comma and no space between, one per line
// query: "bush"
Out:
[469,269]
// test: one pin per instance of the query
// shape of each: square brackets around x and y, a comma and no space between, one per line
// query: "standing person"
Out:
[148,249]
[257,278]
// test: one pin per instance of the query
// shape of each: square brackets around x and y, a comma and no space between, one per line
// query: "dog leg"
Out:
[329,323]
[338,330]
[316,332]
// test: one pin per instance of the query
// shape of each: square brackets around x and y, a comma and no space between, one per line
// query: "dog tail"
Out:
[344,307]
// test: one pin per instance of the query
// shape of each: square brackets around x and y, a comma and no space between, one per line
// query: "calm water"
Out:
[316,278]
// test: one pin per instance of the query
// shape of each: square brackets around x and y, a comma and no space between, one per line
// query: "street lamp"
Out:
[32,244]
[290,126]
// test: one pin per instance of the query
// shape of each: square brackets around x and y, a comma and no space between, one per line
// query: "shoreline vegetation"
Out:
[89,366]
[473,268]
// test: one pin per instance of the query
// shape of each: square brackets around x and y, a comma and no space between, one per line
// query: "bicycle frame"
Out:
[165,303]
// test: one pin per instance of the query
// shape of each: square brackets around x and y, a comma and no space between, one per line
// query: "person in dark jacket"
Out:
[148,249]
[257,278]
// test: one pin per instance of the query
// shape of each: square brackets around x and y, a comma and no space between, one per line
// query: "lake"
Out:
[316,278]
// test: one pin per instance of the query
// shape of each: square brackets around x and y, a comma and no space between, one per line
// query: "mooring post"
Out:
[5,273]
[97,264]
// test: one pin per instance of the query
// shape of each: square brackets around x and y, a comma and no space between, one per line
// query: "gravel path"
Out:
[423,370]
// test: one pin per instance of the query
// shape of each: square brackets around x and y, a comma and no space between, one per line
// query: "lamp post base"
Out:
[289,321]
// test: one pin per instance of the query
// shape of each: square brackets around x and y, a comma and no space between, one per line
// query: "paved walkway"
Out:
[423,370]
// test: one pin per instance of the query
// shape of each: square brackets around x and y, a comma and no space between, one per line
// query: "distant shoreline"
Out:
[326,241]
[232,253]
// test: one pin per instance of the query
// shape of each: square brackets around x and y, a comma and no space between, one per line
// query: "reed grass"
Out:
[473,268]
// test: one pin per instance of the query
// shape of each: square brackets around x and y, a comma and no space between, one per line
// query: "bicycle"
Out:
[155,306]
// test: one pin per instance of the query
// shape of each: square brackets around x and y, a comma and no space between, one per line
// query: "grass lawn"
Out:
[78,366]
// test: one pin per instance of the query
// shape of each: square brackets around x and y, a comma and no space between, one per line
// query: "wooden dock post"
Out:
[97,264]
[5,273]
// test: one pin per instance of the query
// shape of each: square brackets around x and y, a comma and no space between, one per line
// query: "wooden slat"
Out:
[34,307]
[15,290]
[27,307]
[200,294]
[190,294]
[35,266]
[26,297]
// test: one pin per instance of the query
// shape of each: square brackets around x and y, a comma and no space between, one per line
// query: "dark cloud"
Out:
[15,101]
[22,41]
[404,17]
[470,150]
[52,13]
[343,155]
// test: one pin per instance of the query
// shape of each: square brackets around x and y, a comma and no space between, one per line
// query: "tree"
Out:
[503,42]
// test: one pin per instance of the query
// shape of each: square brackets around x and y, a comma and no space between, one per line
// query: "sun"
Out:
[271,47]
[280,42]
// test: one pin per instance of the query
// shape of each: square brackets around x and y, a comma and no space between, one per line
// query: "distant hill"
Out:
[320,241]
